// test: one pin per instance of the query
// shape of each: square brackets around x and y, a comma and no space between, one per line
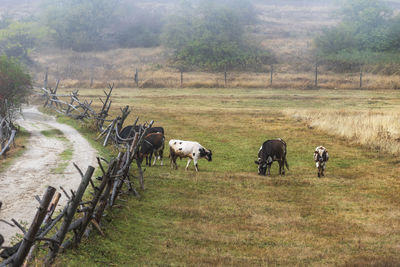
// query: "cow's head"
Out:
[262,167]
[207,154]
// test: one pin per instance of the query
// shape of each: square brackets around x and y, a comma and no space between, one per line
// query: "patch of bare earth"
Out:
[34,170]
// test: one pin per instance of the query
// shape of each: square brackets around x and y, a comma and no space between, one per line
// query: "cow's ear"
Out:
[256,162]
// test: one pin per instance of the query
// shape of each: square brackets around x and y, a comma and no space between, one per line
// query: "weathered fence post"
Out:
[29,237]
[45,82]
[272,73]
[72,206]
[91,77]
[181,78]
[225,76]
[137,78]
[361,77]
[90,213]
[316,75]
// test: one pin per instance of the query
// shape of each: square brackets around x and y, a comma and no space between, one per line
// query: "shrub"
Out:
[15,83]
[211,36]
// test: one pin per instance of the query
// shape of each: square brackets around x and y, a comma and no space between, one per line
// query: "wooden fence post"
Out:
[30,236]
[72,206]
[46,78]
[272,73]
[91,77]
[225,76]
[316,75]
[361,77]
[137,78]
[181,78]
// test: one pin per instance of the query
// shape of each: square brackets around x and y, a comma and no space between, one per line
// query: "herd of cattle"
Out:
[270,151]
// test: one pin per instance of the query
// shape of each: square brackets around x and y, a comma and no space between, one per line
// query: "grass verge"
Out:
[20,146]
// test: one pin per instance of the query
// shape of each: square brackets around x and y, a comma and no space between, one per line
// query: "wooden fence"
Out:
[8,130]
[316,75]
[87,205]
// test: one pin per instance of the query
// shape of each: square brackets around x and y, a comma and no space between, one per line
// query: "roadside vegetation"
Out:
[66,155]
[228,215]
[21,141]
[15,84]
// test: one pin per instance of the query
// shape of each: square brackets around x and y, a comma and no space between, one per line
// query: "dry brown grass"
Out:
[377,130]
[163,77]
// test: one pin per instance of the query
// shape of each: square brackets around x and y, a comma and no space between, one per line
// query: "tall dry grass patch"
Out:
[376,130]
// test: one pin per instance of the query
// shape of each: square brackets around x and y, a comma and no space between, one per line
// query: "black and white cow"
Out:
[270,151]
[321,156]
[187,149]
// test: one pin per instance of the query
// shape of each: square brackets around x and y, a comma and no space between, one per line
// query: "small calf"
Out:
[187,149]
[321,156]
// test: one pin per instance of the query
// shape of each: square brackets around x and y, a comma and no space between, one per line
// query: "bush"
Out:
[366,33]
[210,35]
[18,38]
[78,24]
[136,27]
[15,83]
[87,25]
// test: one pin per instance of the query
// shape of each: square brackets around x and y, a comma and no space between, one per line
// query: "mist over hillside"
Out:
[286,27]
[283,32]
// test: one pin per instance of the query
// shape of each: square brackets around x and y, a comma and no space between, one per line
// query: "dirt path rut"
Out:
[34,170]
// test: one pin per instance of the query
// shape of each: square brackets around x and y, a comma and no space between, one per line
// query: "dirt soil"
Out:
[34,170]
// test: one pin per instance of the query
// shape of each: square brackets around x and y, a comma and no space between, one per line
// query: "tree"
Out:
[135,26]
[211,35]
[18,38]
[78,24]
[15,83]
[364,31]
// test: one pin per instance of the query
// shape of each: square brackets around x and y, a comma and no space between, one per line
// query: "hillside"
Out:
[286,28]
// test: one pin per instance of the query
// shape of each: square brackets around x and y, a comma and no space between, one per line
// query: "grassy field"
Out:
[228,215]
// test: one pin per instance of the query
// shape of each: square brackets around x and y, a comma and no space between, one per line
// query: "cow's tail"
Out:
[286,164]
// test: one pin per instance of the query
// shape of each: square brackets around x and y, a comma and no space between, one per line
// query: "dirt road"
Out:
[35,169]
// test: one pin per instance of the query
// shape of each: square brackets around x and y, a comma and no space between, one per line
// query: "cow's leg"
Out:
[155,158]
[280,167]
[160,153]
[176,165]
[196,166]
[269,169]
[187,165]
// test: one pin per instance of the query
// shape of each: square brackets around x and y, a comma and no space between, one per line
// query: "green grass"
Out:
[228,215]
[21,141]
[66,155]
[53,133]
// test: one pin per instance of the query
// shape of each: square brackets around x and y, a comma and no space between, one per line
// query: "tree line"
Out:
[207,35]
[368,33]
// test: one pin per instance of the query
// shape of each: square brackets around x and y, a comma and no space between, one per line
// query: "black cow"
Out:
[270,151]
[153,143]
[129,131]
